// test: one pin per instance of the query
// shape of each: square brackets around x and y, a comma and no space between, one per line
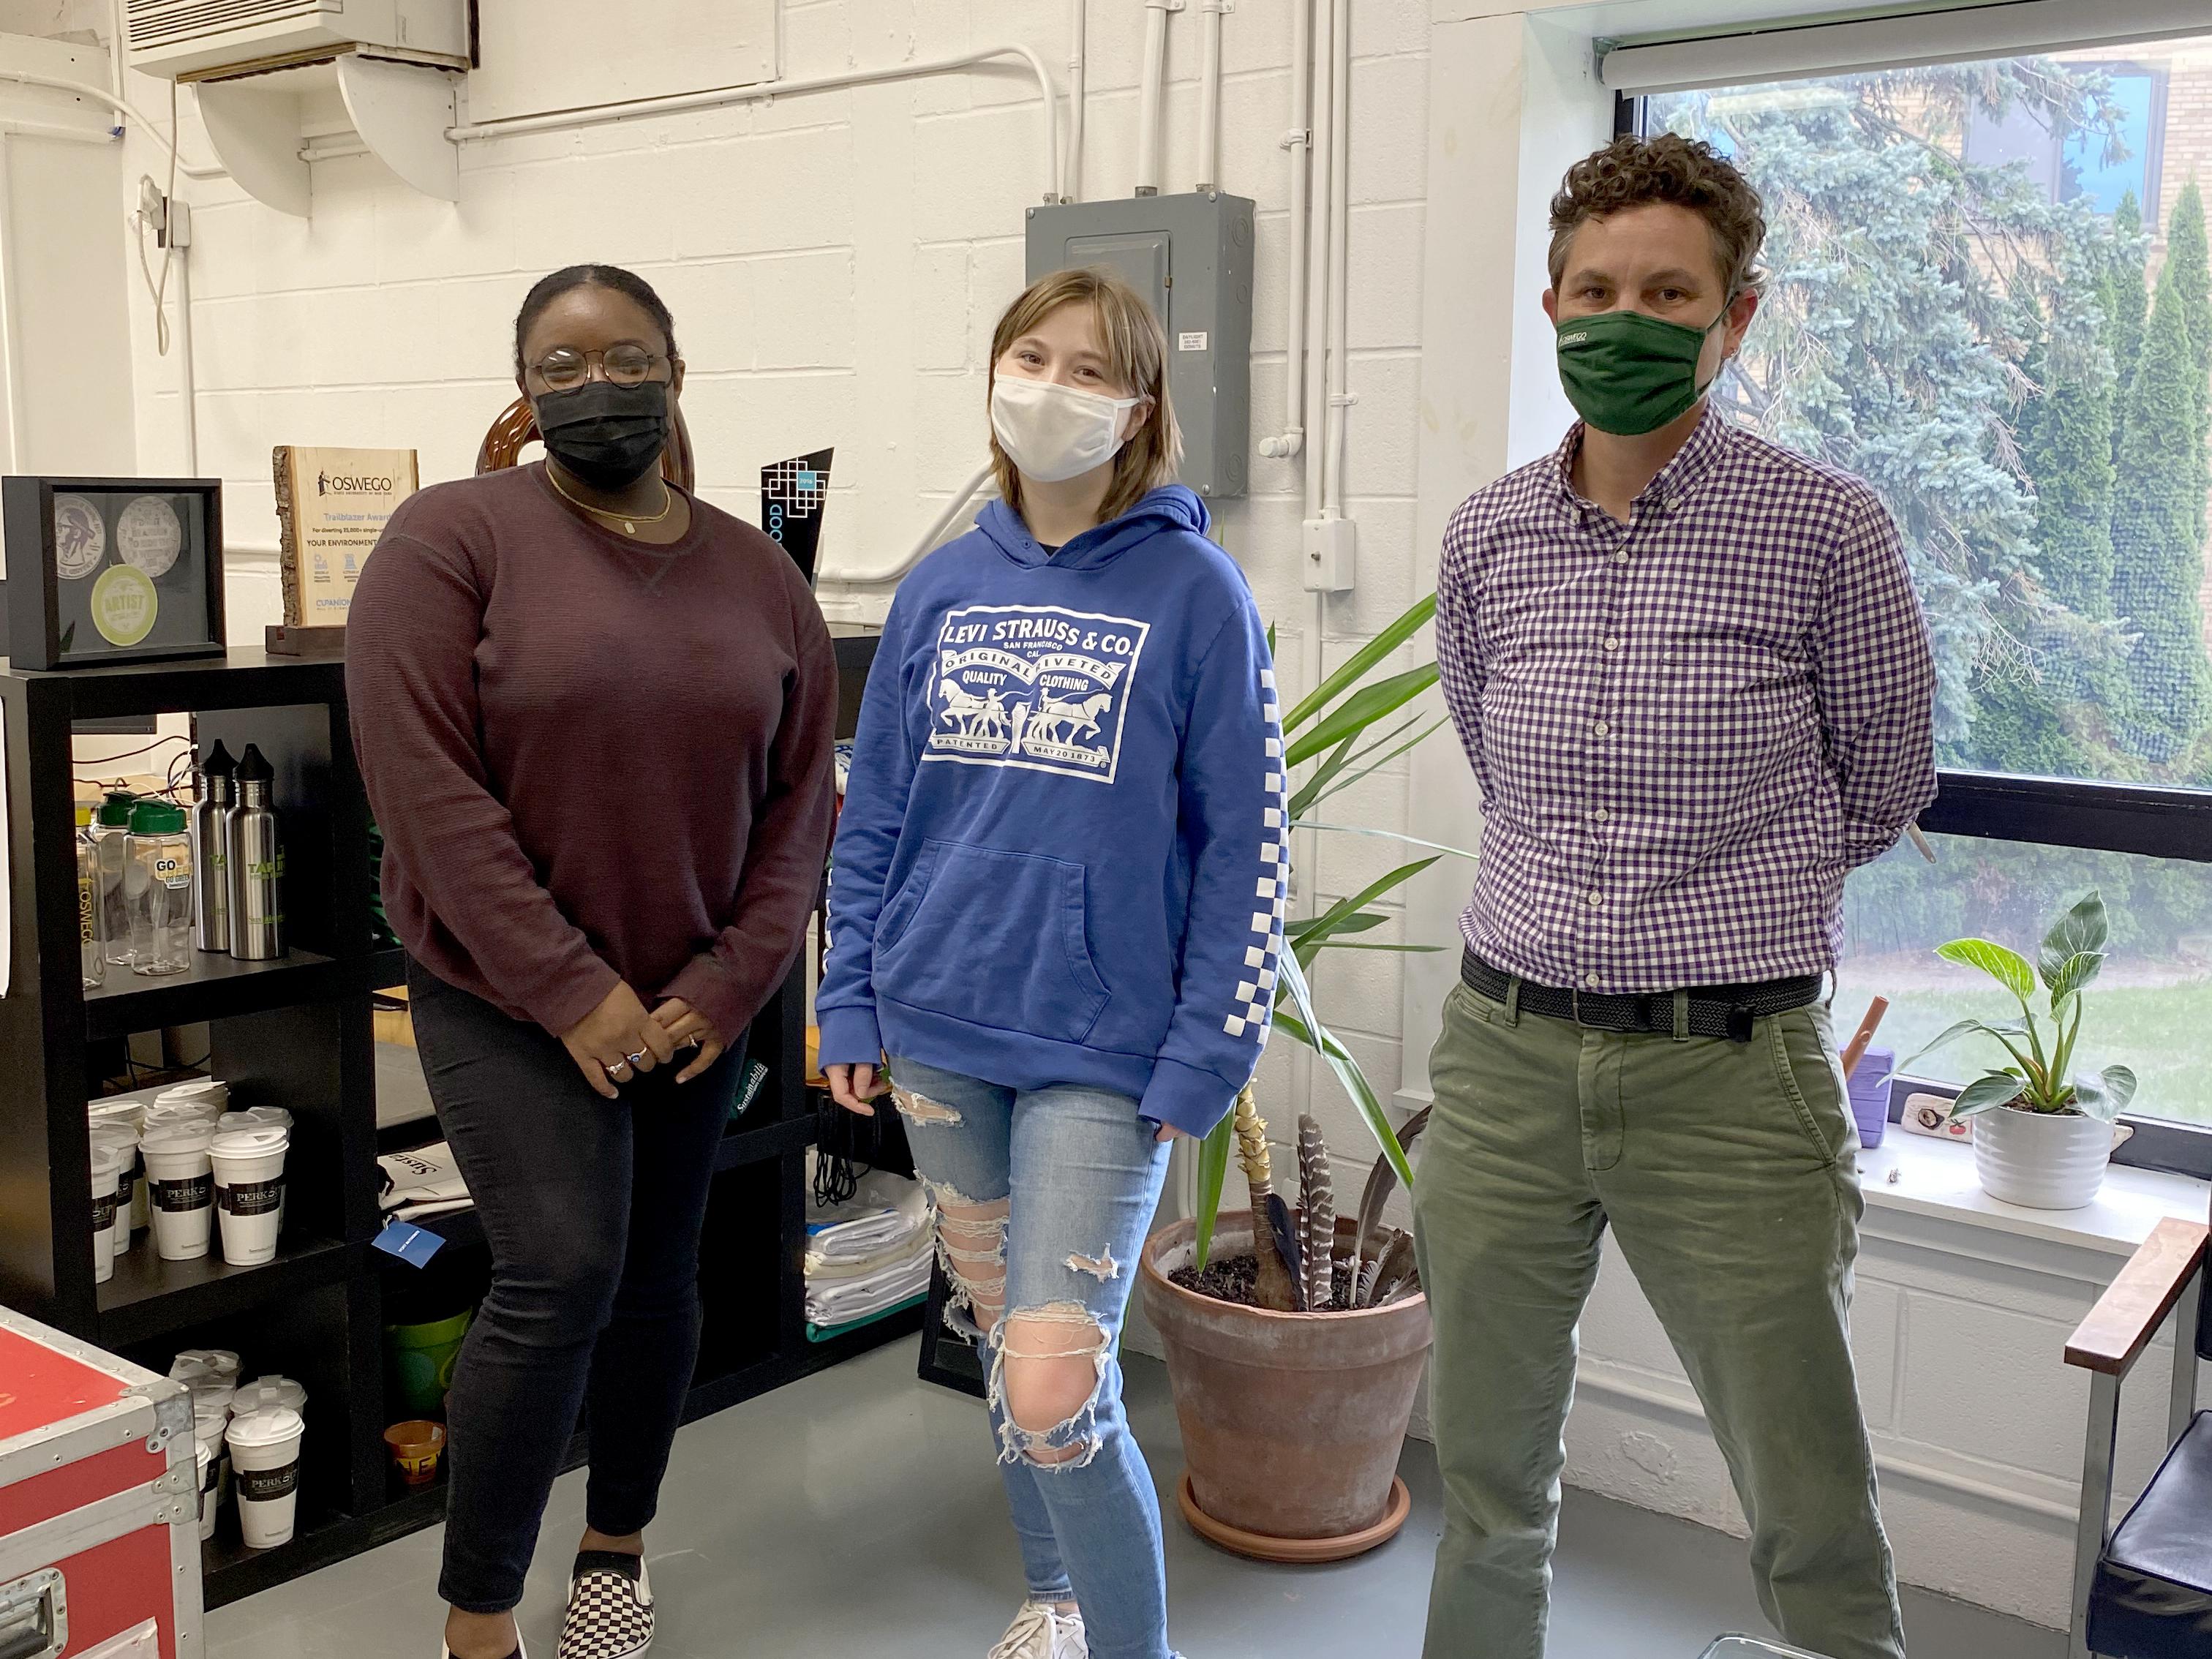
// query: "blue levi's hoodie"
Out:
[1062,856]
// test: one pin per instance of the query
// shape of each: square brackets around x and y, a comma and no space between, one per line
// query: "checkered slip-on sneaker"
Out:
[609,1608]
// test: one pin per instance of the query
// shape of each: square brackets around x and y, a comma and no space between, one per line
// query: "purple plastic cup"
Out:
[1869,1093]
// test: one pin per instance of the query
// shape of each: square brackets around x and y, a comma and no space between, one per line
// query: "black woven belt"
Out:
[1715,1010]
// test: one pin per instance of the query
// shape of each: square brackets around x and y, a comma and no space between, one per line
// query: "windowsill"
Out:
[1937,1178]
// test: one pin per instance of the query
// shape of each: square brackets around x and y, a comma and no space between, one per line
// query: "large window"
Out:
[1991,297]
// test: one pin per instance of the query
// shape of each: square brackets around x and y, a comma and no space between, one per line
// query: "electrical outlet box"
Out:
[1331,549]
[1191,257]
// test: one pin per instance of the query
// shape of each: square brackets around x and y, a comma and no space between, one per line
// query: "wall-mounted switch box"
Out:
[1191,257]
[1332,549]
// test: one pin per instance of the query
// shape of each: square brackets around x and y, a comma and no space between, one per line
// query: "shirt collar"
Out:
[1705,445]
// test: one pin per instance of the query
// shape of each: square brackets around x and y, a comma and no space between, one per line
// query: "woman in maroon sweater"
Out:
[594,717]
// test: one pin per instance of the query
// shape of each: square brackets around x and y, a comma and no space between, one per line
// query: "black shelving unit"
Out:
[297,1034]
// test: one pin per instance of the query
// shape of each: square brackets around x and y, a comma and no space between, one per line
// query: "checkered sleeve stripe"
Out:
[1255,994]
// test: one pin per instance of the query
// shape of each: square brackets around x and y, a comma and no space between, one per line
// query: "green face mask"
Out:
[1628,374]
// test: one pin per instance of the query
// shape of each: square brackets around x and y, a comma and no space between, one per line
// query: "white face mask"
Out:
[1051,432]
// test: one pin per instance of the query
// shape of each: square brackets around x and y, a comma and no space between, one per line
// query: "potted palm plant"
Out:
[2043,1135]
[1295,1336]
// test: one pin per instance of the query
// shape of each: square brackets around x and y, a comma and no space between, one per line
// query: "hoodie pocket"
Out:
[994,938]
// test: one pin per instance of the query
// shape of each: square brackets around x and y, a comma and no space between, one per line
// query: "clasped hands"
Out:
[622,1038]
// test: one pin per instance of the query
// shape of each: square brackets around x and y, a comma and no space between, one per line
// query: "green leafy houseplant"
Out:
[1337,728]
[2040,1078]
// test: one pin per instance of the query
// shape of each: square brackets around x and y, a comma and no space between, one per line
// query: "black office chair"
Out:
[2143,1590]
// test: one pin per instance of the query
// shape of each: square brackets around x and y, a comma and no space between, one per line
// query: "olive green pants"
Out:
[1727,1173]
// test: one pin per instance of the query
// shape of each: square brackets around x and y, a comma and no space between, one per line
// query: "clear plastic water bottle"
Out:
[159,885]
[92,945]
[111,828]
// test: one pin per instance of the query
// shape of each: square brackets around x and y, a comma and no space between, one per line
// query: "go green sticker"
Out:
[123,605]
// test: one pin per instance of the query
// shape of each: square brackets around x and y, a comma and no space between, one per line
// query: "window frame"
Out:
[2147,820]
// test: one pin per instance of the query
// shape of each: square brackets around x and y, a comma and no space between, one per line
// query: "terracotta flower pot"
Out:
[1291,1422]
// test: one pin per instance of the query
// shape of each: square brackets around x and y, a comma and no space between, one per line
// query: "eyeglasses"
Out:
[563,370]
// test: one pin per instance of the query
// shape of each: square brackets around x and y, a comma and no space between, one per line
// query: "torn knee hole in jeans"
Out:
[1058,1330]
[920,1108]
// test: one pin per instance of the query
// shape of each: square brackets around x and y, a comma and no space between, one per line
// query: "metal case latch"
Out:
[33,1616]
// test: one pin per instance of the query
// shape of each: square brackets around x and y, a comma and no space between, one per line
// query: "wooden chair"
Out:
[2143,1590]
[518,425]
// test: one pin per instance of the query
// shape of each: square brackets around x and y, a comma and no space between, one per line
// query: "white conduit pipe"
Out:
[478,132]
[1209,92]
[1322,148]
[1339,242]
[1298,141]
[1078,59]
[892,572]
[1149,93]
[120,28]
[187,370]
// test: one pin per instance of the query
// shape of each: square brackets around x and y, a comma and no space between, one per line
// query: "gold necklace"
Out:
[630,521]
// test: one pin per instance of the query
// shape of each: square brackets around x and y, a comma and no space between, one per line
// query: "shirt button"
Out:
[1596,900]
[1612,645]
[1601,815]
[1620,556]
[1604,729]
[1590,979]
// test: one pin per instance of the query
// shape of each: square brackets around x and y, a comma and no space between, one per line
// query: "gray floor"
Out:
[858,1514]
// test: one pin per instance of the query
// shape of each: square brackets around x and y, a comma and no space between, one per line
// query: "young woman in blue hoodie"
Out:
[1056,902]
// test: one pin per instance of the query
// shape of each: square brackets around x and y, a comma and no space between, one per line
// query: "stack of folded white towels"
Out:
[870,1253]
[423,1183]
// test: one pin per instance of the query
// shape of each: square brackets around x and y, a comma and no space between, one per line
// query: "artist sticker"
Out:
[80,537]
[148,536]
[123,605]
[1034,687]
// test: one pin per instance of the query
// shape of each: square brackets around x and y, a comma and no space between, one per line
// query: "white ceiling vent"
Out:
[197,39]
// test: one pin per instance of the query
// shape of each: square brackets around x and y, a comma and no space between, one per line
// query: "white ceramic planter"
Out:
[2044,1161]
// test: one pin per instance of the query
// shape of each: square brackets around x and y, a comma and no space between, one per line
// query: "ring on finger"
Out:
[616,1069]
[637,1059]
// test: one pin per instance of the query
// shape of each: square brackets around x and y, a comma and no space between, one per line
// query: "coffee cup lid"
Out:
[132,1112]
[271,1426]
[194,1089]
[257,1142]
[114,1134]
[177,1137]
[108,1156]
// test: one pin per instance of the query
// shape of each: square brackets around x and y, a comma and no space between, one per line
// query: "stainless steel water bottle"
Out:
[218,793]
[257,865]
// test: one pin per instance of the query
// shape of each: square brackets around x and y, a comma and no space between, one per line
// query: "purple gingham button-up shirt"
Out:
[1687,728]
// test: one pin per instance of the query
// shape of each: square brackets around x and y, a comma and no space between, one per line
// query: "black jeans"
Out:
[592,1209]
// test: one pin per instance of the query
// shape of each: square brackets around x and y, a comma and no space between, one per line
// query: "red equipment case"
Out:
[100,1552]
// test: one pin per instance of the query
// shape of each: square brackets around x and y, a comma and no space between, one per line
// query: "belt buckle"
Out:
[1575,1006]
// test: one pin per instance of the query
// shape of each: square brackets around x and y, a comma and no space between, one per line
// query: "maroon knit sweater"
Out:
[591,759]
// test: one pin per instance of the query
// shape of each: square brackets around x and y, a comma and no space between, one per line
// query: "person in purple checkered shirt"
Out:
[1694,681]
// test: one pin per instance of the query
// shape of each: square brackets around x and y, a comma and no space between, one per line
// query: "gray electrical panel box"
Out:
[1191,256]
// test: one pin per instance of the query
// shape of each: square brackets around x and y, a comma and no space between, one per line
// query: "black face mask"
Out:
[607,435]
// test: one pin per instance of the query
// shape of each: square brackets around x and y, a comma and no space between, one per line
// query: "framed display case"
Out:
[112,570]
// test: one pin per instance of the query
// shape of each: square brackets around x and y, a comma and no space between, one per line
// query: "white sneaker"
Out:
[1041,1630]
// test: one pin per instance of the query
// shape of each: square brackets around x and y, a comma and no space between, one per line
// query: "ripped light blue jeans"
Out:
[1044,1197]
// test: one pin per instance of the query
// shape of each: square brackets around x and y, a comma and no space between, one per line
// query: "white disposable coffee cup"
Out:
[128,1114]
[205,1464]
[256,1117]
[210,1093]
[249,1180]
[265,1470]
[208,1427]
[107,1161]
[267,1392]
[129,1181]
[220,1364]
[182,1177]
